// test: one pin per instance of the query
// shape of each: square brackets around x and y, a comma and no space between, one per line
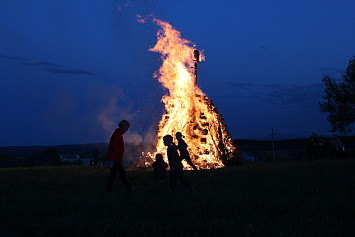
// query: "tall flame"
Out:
[188,110]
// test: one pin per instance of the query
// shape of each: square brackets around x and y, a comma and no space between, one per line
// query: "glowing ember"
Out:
[188,110]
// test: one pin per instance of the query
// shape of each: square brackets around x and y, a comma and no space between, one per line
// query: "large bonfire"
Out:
[187,108]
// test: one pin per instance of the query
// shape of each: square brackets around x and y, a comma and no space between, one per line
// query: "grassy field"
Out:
[300,198]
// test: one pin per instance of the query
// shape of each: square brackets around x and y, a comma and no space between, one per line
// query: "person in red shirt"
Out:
[115,155]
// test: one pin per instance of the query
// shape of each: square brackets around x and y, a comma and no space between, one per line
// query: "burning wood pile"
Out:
[188,109]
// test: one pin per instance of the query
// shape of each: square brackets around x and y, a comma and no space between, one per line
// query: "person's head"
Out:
[124,125]
[159,157]
[178,135]
[168,140]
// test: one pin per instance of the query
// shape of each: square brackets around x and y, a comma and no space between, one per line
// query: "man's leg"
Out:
[111,178]
[122,174]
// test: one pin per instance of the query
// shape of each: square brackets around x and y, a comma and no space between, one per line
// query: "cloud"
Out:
[242,85]
[113,110]
[332,70]
[107,116]
[47,66]
[262,46]
[64,105]
[55,68]
[70,71]
[295,95]
[150,137]
[304,96]
[133,138]
[10,57]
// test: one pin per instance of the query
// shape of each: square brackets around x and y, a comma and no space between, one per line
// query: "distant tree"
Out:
[78,162]
[339,100]
[8,161]
[95,154]
[50,156]
[31,160]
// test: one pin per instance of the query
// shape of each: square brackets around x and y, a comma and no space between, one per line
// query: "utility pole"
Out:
[273,144]
[196,54]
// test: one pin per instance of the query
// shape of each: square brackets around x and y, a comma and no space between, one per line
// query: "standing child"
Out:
[174,164]
[182,146]
[337,147]
[159,167]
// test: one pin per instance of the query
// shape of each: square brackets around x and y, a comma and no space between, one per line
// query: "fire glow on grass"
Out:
[188,110]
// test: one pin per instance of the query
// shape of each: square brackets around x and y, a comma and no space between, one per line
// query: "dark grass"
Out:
[301,198]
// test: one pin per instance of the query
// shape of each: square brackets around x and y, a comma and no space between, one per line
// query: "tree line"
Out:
[49,157]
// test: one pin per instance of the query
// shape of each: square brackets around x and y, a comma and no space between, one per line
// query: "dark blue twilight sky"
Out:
[69,70]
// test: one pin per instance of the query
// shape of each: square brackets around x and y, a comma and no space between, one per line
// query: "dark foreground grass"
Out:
[284,199]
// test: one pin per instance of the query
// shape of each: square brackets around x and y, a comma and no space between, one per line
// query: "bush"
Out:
[8,161]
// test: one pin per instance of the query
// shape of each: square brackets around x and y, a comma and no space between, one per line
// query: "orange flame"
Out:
[188,110]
